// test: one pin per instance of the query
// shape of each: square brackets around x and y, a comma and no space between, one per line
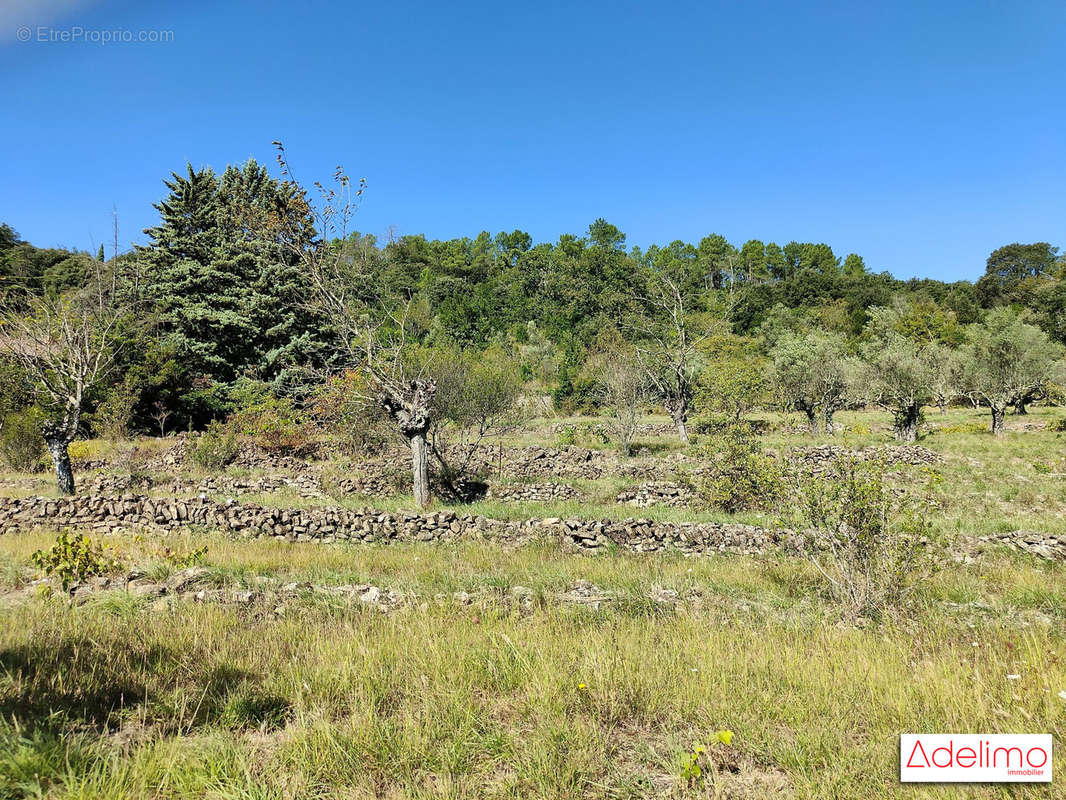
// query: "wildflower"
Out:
[1013,676]
[1062,695]
[582,687]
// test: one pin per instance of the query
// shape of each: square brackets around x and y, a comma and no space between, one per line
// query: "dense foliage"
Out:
[224,300]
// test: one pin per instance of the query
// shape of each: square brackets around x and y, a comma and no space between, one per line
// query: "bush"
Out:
[112,417]
[345,409]
[964,427]
[870,548]
[739,476]
[74,558]
[214,448]
[273,423]
[1057,426]
[567,436]
[21,443]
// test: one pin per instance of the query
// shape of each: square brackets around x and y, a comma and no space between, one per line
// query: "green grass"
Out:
[119,699]
[122,698]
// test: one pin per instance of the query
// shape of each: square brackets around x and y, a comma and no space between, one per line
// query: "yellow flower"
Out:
[725,737]
[582,687]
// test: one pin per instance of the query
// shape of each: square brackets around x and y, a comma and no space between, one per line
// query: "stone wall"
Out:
[127,512]
[660,493]
[115,514]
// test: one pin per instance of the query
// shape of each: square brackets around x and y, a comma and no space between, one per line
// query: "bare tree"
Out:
[668,334]
[623,389]
[371,330]
[161,413]
[67,346]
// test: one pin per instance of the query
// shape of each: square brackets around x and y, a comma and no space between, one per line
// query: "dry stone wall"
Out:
[116,514]
[127,512]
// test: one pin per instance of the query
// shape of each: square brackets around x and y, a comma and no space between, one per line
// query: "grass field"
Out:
[471,687]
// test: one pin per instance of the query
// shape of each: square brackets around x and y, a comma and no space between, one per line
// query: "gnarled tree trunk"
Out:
[812,419]
[420,469]
[677,408]
[1019,406]
[998,414]
[57,438]
[907,420]
[827,419]
[409,405]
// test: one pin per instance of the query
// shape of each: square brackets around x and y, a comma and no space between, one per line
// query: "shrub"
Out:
[567,436]
[112,417]
[345,408]
[21,443]
[273,423]
[74,558]
[1057,426]
[739,476]
[870,548]
[214,448]
[964,427]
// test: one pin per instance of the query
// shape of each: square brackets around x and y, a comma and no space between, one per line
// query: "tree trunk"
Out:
[812,421]
[1019,407]
[682,429]
[420,469]
[907,423]
[998,412]
[409,404]
[827,417]
[57,448]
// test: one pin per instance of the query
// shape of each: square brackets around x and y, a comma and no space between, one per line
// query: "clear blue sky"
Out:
[921,135]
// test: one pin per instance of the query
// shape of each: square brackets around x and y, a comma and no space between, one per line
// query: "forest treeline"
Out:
[251,286]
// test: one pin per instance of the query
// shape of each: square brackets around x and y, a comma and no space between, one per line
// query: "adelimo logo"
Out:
[975,758]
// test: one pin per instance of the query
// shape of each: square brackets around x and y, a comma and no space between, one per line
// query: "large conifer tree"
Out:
[224,274]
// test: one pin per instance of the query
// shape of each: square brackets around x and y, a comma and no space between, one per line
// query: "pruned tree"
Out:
[668,330]
[1009,359]
[898,376]
[370,329]
[812,373]
[66,346]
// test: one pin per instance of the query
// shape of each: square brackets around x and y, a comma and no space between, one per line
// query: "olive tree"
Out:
[66,345]
[898,374]
[737,382]
[1009,361]
[476,399]
[812,373]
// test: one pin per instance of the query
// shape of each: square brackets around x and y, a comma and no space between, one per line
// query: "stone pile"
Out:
[535,492]
[1043,545]
[821,457]
[657,494]
[305,484]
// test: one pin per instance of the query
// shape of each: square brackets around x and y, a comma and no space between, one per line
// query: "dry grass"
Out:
[120,698]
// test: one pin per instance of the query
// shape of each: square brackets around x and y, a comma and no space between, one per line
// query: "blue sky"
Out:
[920,135]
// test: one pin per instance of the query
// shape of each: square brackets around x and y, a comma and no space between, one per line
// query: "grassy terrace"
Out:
[462,690]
